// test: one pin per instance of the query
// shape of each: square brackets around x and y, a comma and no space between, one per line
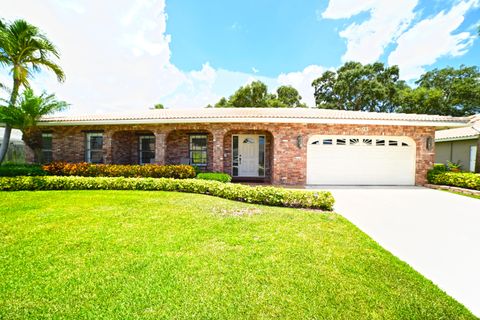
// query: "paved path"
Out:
[436,232]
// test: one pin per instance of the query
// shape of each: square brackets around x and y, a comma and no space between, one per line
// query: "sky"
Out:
[128,55]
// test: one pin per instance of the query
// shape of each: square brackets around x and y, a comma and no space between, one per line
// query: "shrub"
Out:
[216,176]
[261,195]
[116,170]
[467,180]
[13,170]
[437,168]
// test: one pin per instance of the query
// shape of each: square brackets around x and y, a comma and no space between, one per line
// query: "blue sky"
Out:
[127,55]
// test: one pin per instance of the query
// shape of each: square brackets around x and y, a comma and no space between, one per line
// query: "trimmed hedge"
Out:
[216,176]
[260,195]
[14,170]
[84,169]
[467,180]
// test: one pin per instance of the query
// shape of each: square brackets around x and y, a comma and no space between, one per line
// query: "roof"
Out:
[282,115]
[470,132]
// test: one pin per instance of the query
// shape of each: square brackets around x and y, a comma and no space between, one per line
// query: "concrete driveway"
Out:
[436,232]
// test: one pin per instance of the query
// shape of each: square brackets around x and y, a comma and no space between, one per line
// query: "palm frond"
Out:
[27,50]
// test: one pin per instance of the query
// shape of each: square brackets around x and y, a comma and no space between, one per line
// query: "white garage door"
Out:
[360,160]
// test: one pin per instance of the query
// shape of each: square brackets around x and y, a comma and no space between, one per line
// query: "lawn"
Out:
[464,194]
[164,255]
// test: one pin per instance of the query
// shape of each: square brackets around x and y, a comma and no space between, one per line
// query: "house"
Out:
[16,148]
[280,146]
[460,146]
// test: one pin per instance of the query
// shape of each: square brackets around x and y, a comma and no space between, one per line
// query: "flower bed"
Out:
[84,169]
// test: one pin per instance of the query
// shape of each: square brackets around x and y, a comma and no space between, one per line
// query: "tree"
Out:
[158,106]
[371,87]
[25,51]
[290,96]
[447,91]
[26,114]
[255,95]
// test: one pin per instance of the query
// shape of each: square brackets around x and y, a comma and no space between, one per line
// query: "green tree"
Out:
[447,91]
[30,108]
[255,95]
[158,106]
[371,87]
[290,97]
[24,50]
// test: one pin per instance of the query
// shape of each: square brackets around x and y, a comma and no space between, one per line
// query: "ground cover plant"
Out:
[216,176]
[85,169]
[13,170]
[442,176]
[272,196]
[168,255]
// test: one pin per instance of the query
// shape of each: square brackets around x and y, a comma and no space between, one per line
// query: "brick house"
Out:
[280,146]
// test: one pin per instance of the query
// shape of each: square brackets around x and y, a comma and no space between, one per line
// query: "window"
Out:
[198,150]
[235,156]
[94,148]
[147,149]
[261,156]
[47,153]
[328,141]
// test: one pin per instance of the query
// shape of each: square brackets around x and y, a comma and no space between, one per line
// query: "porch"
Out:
[245,155]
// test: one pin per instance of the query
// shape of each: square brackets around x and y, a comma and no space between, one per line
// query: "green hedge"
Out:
[467,180]
[84,169]
[261,195]
[13,170]
[216,176]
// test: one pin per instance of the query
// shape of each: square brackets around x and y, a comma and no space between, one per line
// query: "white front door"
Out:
[473,158]
[248,155]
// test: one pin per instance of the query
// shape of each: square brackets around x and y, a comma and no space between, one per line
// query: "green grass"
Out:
[160,255]
[463,194]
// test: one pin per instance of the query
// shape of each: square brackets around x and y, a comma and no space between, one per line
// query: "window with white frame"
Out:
[47,153]
[94,147]
[198,150]
[147,149]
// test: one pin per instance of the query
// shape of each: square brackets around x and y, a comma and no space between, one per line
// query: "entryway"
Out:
[248,155]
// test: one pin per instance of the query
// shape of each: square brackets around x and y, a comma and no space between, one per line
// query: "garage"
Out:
[360,160]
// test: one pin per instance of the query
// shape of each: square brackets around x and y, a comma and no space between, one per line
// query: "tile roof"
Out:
[471,132]
[250,114]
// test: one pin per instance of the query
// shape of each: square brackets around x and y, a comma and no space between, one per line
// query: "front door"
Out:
[248,155]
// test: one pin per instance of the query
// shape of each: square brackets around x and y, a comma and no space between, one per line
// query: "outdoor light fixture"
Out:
[299,142]
[429,143]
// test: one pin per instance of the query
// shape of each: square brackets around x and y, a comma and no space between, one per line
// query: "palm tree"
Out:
[24,50]
[26,115]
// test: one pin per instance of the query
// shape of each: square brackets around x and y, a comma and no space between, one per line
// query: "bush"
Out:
[216,176]
[467,180]
[261,195]
[85,169]
[437,169]
[13,170]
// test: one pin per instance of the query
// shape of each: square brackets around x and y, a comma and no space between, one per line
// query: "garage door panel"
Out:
[361,164]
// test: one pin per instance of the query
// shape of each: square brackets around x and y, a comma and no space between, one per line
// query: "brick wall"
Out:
[286,162]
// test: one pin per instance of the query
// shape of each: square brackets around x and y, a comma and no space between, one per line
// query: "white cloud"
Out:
[302,81]
[367,41]
[431,39]
[116,56]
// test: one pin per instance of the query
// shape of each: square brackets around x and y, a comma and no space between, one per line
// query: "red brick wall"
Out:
[287,162]
[178,146]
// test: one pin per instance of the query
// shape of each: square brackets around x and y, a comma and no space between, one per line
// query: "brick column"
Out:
[108,146]
[160,146]
[218,151]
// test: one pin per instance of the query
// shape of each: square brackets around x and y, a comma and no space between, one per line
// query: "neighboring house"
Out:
[460,146]
[281,146]
[16,148]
